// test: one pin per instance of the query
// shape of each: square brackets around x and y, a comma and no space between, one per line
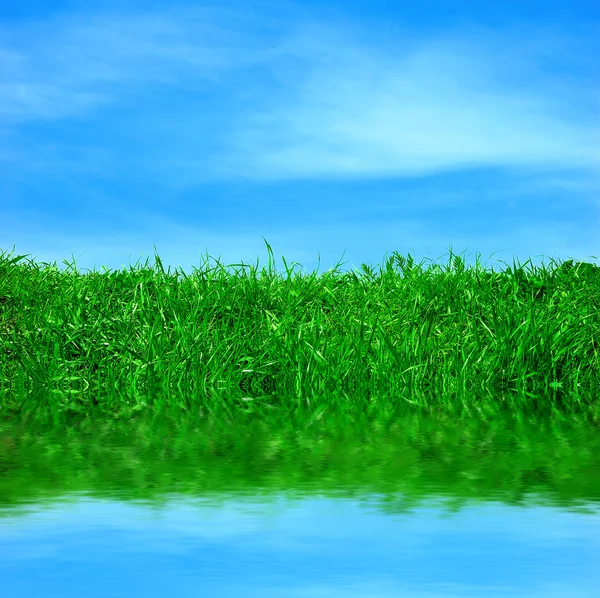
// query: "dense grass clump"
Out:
[127,340]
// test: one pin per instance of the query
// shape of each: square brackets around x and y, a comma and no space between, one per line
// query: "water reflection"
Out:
[403,505]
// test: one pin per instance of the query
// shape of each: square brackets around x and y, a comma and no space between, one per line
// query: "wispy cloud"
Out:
[207,94]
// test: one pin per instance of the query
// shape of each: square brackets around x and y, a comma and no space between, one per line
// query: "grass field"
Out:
[212,341]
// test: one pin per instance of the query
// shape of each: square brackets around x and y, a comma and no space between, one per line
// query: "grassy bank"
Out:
[143,338]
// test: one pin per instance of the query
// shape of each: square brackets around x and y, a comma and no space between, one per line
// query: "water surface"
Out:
[414,504]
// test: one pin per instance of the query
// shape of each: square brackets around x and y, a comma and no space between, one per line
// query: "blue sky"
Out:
[345,131]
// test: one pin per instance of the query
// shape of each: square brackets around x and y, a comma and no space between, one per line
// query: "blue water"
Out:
[297,546]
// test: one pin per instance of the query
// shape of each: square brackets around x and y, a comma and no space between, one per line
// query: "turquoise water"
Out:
[417,506]
[305,547]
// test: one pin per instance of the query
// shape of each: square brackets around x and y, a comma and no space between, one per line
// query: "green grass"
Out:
[215,341]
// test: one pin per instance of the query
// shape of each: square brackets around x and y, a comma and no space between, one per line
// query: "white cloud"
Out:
[362,112]
[264,98]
